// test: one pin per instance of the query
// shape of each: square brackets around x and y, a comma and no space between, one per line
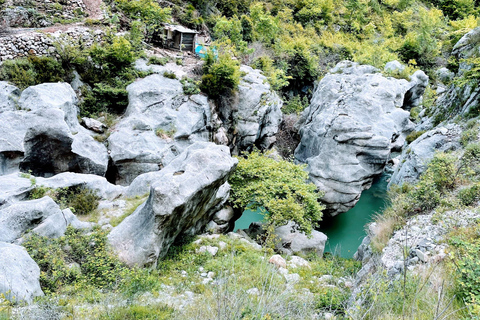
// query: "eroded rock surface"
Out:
[253,117]
[160,122]
[347,133]
[19,274]
[415,158]
[184,196]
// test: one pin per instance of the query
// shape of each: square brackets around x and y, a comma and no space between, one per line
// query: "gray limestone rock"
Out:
[415,158]
[255,114]
[19,274]
[8,97]
[294,242]
[14,187]
[183,198]
[50,148]
[347,133]
[100,185]
[394,65]
[52,95]
[160,122]
[414,95]
[20,217]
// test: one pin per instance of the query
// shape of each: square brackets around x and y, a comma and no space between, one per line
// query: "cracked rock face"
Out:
[160,122]
[253,118]
[184,196]
[415,158]
[347,133]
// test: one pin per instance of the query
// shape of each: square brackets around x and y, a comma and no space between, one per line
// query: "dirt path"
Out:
[94,9]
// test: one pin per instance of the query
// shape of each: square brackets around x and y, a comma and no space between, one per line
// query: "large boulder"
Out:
[8,97]
[461,99]
[295,242]
[253,117]
[52,95]
[99,185]
[51,148]
[13,188]
[183,199]
[347,133]
[19,274]
[159,123]
[415,158]
[20,217]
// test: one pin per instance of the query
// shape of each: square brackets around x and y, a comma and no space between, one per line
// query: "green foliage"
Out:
[466,255]
[190,86]
[134,312]
[470,195]
[276,77]
[170,75]
[295,105]
[25,72]
[221,75]
[83,201]
[74,258]
[413,136]
[278,186]
[157,60]
[148,12]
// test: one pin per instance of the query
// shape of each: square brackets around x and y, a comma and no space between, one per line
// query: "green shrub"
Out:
[414,135]
[295,105]
[470,195]
[280,187]
[134,312]
[468,136]
[221,75]
[75,258]
[157,60]
[170,75]
[81,200]
[190,86]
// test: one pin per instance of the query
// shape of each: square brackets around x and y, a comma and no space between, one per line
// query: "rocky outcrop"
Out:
[8,96]
[14,188]
[460,100]
[50,148]
[295,242]
[160,122]
[51,96]
[253,117]
[44,136]
[347,133]
[183,198]
[415,158]
[97,184]
[290,241]
[19,274]
[26,215]
[414,95]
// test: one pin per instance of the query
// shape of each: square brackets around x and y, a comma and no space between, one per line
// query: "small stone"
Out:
[292,277]
[253,291]
[278,261]
[222,245]
[421,255]
[210,274]
[282,271]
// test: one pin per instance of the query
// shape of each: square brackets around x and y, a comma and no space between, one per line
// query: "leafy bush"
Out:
[25,72]
[295,105]
[170,75]
[157,60]
[134,312]
[74,258]
[414,135]
[221,75]
[278,186]
[470,195]
[190,86]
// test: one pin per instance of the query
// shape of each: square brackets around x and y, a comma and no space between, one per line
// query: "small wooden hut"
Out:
[179,38]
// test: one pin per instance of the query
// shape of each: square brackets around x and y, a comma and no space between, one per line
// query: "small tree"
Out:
[280,187]
[221,75]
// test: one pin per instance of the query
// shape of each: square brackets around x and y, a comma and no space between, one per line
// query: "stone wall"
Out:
[41,44]
[39,13]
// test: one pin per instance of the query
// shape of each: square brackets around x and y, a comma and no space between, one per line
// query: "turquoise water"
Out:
[346,231]
[248,216]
